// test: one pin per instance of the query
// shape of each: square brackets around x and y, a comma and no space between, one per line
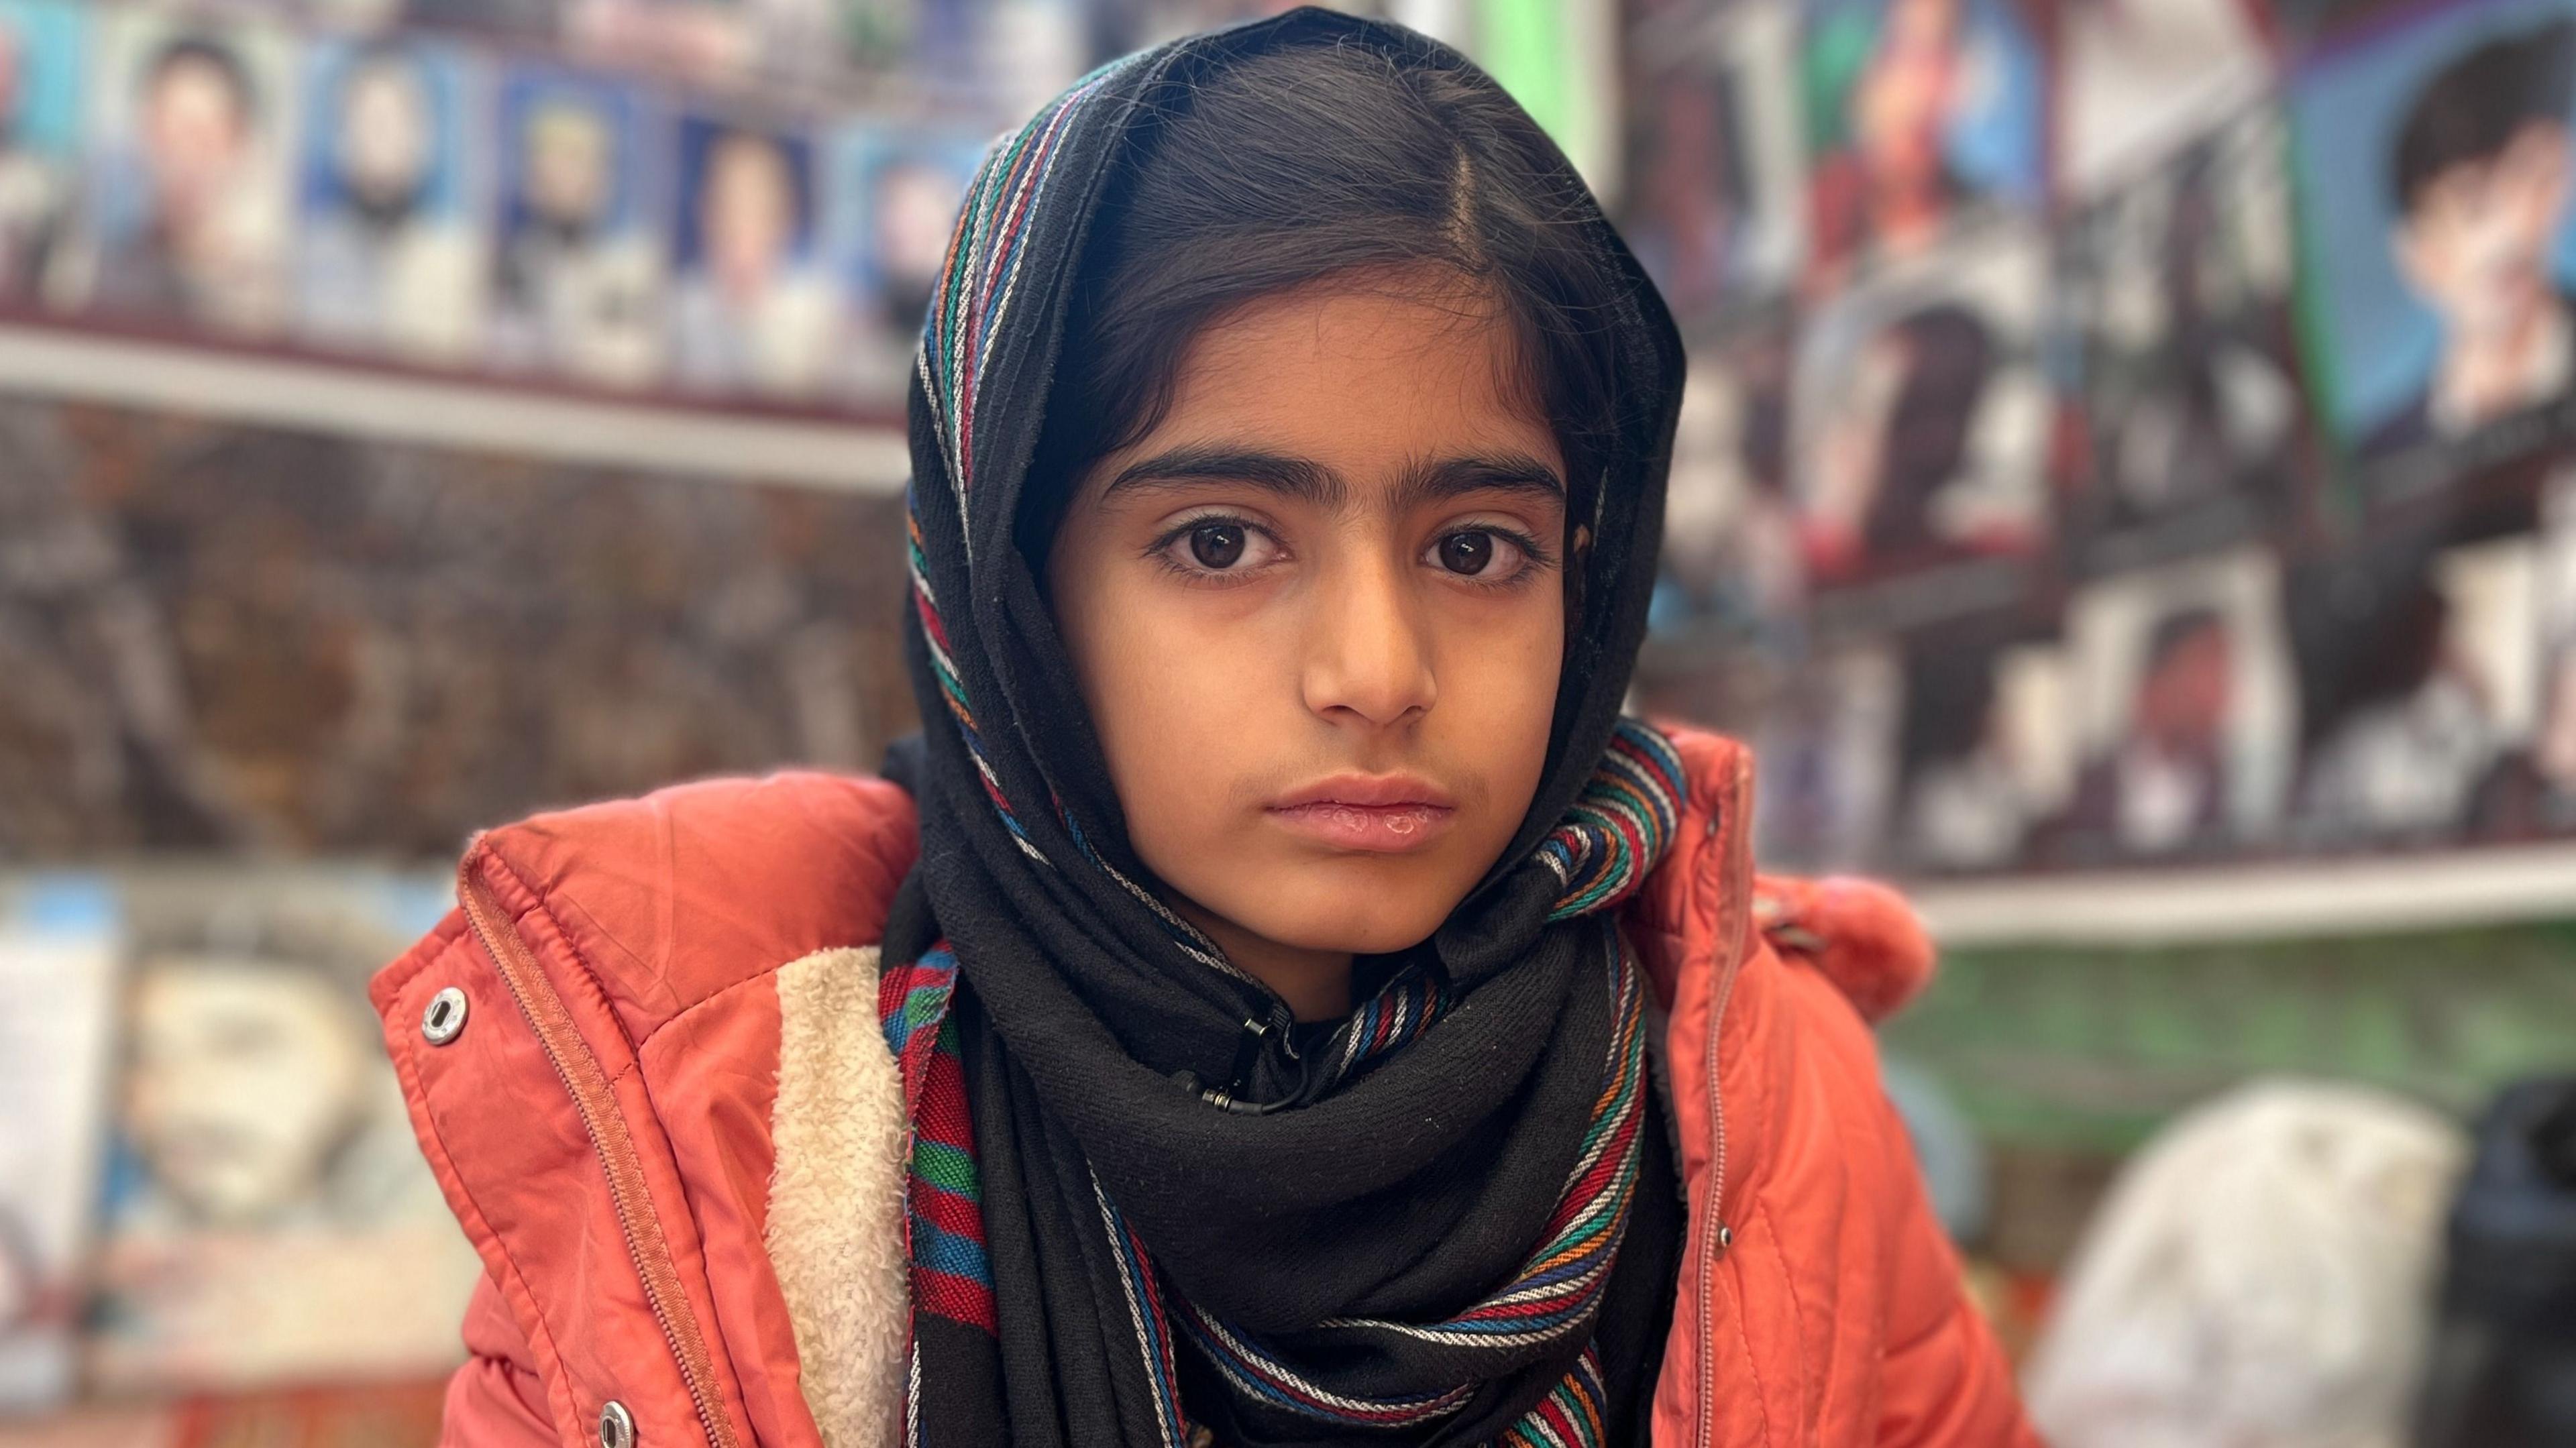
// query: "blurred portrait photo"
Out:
[268,1215]
[196,124]
[1985,753]
[44,62]
[1713,208]
[2444,261]
[2481,174]
[577,282]
[2178,286]
[1730,520]
[391,246]
[895,194]
[2183,692]
[1827,754]
[753,309]
[1916,109]
[2140,79]
[2417,681]
[61,943]
[2532,793]
[1920,419]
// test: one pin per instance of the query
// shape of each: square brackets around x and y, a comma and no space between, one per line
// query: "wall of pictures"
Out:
[722,203]
[2121,433]
[603,195]
[265,679]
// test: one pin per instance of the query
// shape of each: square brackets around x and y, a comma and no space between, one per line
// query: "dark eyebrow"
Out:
[1287,476]
[1446,478]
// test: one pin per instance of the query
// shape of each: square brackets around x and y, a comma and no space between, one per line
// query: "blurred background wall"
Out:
[2123,491]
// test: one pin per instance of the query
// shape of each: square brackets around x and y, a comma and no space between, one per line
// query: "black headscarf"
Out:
[1156,1200]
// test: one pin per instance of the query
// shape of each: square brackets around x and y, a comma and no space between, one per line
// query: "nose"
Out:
[1368,650]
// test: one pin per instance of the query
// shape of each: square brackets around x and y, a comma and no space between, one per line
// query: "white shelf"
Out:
[2382,894]
[464,413]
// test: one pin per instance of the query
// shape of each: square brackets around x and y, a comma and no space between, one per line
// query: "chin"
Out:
[1363,917]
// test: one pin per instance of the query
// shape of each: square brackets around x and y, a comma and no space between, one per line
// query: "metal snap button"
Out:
[444,1018]
[616,1426]
[1725,1236]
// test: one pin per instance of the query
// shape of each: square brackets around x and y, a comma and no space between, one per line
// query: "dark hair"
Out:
[205,50]
[1315,161]
[1949,357]
[2478,103]
[2177,629]
[1948,704]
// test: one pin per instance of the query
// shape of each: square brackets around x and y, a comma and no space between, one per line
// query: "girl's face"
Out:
[1318,616]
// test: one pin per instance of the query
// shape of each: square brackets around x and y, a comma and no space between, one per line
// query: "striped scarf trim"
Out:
[1612,837]
[979,276]
[1555,1295]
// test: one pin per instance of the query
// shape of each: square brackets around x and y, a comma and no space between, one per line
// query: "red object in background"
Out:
[384,1415]
[401,1415]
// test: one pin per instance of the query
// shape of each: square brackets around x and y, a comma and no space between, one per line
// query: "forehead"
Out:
[1366,378]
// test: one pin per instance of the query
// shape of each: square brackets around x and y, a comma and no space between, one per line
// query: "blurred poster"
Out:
[1713,183]
[2186,706]
[1731,528]
[754,309]
[2142,77]
[1017,55]
[1916,110]
[894,193]
[368,1415]
[722,43]
[269,1218]
[60,940]
[392,240]
[1827,755]
[1920,421]
[2533,790]
[530,19]
[194,127]
[2435,170]
[2420,682]
[44,65]
[578,276]
[689,37]
[1122,26]
[2178,287]
[1986,749]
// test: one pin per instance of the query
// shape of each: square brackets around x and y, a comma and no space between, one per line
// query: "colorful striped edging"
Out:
[1403,1010]
[934,633]
[952,1273]
[968,310]
[1620,824]
[1575,1415]
[1557,1291]
[980,274]
[1257,1375]
[1145,1311]
[1559,1286]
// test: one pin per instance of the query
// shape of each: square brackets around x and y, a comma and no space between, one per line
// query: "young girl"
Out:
[1281,1001]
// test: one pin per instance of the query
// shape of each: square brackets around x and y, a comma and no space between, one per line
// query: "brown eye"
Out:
[1217,545]
[1468,554]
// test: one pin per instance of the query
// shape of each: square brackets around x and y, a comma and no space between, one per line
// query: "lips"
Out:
[1365,813]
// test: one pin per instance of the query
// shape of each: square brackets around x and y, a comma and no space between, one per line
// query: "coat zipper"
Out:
[1737,898]
[579,1070]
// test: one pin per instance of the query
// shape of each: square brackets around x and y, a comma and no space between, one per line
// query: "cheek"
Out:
[1498,687]
[1183,699]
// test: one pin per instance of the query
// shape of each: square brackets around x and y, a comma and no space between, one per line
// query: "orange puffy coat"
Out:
[667,1119]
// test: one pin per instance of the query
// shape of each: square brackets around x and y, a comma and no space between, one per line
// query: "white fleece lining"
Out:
[836,1197]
